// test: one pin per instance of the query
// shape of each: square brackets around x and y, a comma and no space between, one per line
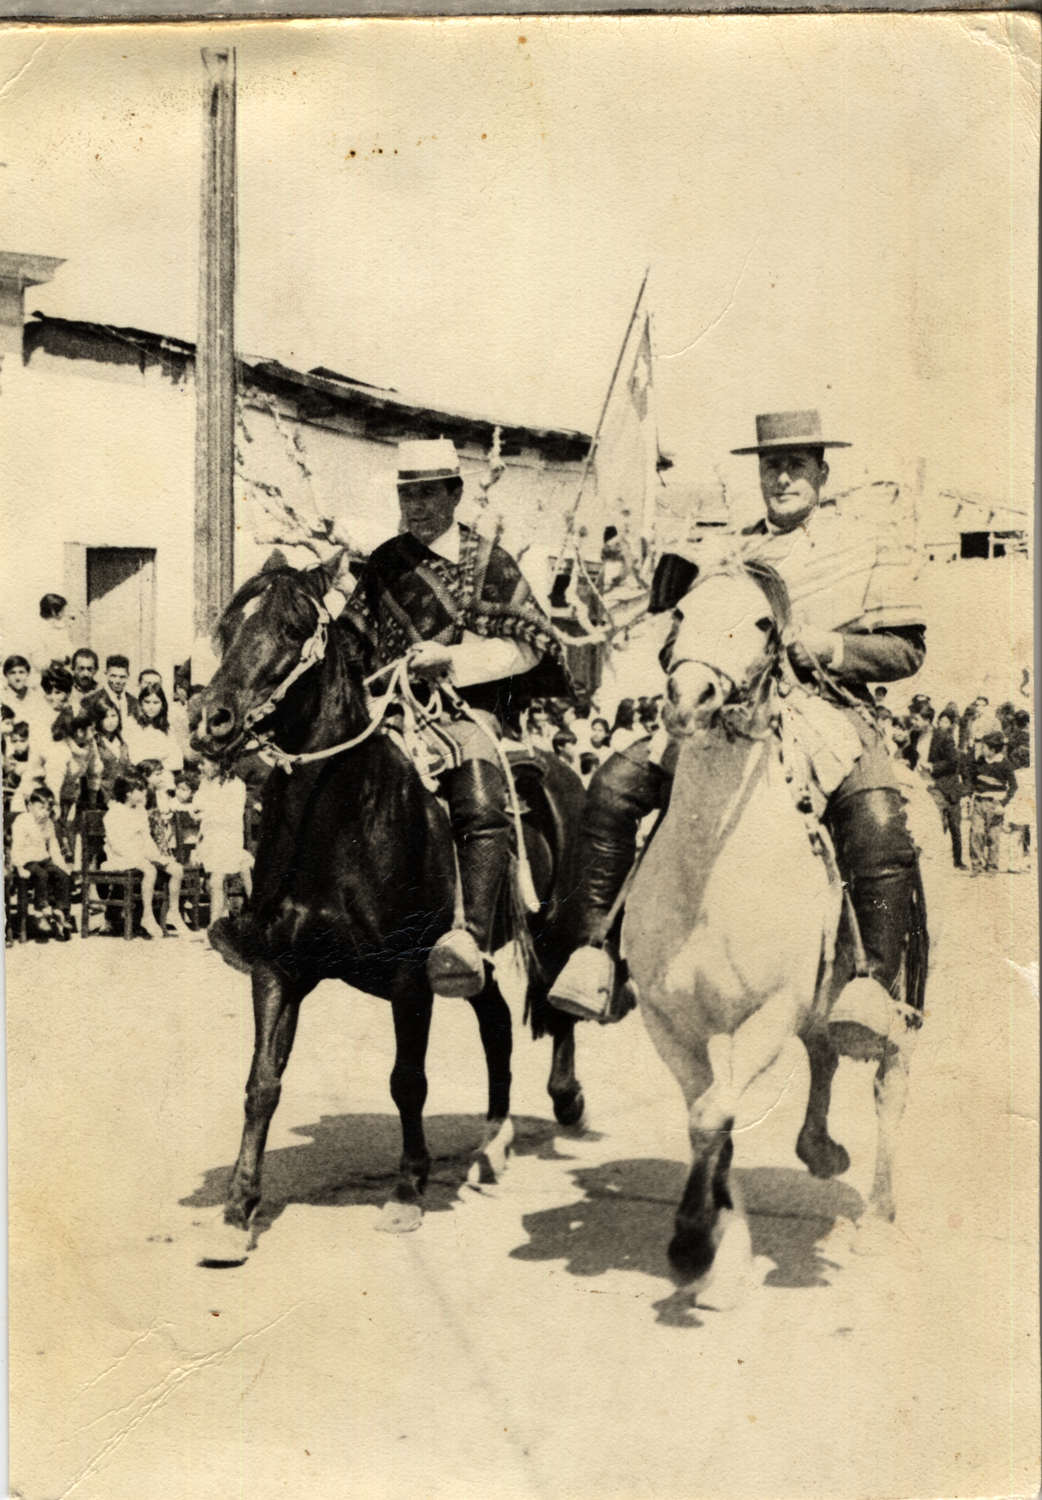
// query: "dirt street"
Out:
[526,1343]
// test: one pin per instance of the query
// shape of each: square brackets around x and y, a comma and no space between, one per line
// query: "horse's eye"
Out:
[764,624]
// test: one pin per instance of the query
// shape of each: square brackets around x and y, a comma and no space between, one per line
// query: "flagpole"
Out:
[600,422]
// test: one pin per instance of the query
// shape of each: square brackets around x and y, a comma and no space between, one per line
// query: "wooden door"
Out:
[121,604]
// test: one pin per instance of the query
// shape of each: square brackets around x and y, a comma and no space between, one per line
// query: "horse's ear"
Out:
[275,563]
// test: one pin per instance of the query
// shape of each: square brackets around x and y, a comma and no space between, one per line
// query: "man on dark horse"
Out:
[457,606]
[854,621]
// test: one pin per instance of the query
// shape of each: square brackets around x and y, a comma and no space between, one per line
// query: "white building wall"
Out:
[100,455]
[103,455]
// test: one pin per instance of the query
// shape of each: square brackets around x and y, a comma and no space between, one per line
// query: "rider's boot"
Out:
[878,860]
[622,793]
[476,793]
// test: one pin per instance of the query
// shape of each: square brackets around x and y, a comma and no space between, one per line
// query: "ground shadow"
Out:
[625,1222]
[351,1160]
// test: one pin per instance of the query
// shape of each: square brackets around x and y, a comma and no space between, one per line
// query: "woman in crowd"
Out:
[623,733]
[148,732]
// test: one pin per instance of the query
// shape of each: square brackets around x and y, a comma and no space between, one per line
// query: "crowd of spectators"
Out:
[583,738]
[969,763]
[96,776]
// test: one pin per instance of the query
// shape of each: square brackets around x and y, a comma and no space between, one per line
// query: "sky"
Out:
[837,211]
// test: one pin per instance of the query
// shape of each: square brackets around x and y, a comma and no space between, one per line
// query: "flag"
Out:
[626,458]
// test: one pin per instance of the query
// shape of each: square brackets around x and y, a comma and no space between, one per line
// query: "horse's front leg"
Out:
[412,1025]
[822,1156]
[497,1040]
[276,1006]
[891,1091]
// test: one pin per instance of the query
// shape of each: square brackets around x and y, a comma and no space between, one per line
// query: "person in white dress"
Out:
[220,805]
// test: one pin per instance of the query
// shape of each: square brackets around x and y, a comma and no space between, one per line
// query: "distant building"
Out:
[976,528]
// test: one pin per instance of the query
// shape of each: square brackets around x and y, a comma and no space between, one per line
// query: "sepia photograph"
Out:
[519,813]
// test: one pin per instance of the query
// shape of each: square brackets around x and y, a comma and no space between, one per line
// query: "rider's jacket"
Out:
[847,581]
[843,580]
[408,592]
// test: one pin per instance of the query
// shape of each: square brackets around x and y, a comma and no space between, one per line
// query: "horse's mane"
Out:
[774,589]
[290,590]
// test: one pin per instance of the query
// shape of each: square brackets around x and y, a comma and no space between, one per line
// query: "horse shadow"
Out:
[352,1160]
[625,1223]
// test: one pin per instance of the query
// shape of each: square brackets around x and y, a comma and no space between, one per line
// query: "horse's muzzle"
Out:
[695,693]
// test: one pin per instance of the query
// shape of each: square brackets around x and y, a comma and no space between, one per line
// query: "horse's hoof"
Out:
[569,1108]
[399,1218]
[822,1156]
[877,1236]
[734,1273]
[226,1244]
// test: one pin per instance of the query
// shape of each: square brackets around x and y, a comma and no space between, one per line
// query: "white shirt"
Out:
[476,658]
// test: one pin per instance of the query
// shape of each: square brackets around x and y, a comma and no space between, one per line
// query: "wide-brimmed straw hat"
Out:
[789,429]
[423,459]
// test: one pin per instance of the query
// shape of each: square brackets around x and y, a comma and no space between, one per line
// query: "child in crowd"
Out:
[74,767]
[111,746]
[184,817]
[37,856]
[221,805]
[21,762]
[131,847]
[993,785]
[157,803]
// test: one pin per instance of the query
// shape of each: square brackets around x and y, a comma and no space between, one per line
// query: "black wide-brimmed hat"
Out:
[789,429]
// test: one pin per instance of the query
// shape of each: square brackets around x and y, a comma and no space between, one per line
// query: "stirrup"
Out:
[456,966]
[585,985]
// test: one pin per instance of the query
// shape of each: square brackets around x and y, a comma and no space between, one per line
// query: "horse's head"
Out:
[273,620]
[725,639]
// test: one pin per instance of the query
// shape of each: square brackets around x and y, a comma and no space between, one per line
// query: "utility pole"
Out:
[215,350]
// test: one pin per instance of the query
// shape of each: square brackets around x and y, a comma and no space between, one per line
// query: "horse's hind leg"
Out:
[497,1039]
[276,1006]
[412,1025]
[822,1156]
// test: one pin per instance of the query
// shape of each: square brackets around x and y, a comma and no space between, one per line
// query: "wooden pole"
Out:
[215,350]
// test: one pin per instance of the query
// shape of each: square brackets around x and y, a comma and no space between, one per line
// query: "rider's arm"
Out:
[880,655]
[481,659]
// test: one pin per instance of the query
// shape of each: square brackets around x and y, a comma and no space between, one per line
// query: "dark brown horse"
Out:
[355,879]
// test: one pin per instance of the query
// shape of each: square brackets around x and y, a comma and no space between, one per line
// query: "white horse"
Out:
[730,927]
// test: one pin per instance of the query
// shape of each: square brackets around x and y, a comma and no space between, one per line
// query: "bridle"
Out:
[312,652]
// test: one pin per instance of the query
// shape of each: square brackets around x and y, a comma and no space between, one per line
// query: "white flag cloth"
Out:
[627,454]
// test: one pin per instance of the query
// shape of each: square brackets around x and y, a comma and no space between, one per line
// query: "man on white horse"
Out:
[456,604]
[854,621]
